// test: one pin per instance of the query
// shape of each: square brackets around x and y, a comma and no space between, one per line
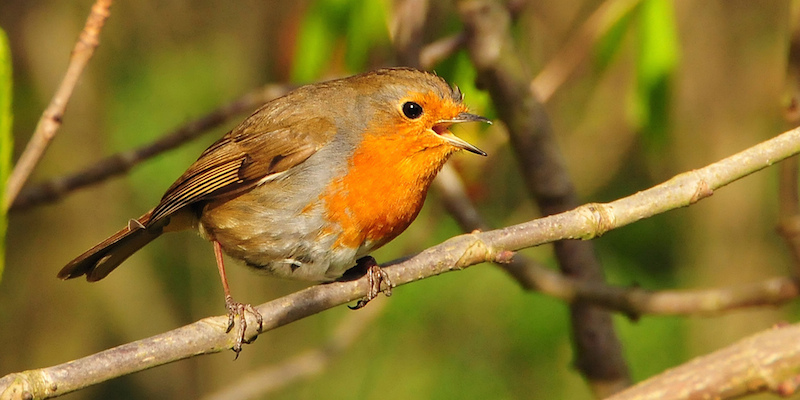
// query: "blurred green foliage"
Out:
[653,23]
[355,28]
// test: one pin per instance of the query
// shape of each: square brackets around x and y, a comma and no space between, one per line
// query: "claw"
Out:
[375,276]
[239,309]
[231,314]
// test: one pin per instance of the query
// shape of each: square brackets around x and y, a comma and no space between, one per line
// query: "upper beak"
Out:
[441,128]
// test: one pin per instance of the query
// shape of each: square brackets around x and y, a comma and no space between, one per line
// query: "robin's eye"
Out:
[412,110]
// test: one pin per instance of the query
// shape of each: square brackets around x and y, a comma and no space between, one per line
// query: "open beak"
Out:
[441,128]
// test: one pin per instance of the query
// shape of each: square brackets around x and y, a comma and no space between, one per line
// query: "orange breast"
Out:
[384,188]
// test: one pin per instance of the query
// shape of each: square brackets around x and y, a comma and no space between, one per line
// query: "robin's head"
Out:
[418,108]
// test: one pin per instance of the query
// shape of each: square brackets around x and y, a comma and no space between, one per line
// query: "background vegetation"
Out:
[670,87]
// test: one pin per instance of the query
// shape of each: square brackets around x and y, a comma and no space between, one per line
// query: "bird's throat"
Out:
[383,190]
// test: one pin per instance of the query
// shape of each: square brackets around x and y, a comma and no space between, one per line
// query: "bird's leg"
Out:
[375,276]
[234,307]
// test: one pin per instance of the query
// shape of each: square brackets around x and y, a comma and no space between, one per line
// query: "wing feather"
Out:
[245,157]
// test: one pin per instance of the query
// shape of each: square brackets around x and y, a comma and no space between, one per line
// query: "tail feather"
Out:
[101,259]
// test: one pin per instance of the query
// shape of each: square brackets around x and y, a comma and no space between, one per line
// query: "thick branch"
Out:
[50,120]
[766,361]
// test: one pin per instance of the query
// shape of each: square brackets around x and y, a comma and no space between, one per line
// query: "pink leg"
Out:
[234,307]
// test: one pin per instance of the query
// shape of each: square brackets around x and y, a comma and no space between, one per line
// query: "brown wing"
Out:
[247,155]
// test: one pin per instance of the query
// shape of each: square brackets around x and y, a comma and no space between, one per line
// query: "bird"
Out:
[309,184]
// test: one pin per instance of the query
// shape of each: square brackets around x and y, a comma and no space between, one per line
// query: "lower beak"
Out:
[441,129]
[461,143]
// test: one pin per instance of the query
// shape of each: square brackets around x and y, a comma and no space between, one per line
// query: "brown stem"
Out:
[407,27]
[598,351]
[789,209]
[788,191]
[439,50]
[50,120]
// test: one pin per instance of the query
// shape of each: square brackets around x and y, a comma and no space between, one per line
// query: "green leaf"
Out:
[366,30]
[314,47]
[353,28]
[464,75]
[6,140]
[658,57]
[318,38]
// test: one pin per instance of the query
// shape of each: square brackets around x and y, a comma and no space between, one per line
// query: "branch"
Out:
[789,209]
[788,192]
[635,302]
[407,26]
[598,351]
[117,164]
[585,222]
[50,120]
[632,301]
[766,361]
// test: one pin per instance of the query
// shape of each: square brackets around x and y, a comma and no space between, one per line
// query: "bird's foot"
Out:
[375,276]
[236,309]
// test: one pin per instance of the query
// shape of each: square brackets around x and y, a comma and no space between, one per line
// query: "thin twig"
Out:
[635,301]
[51,119]
[407,27]
[439,50]
[117,164]
[585,222]
[454,197]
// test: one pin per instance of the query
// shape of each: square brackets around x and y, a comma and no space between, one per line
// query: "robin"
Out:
[309,184]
